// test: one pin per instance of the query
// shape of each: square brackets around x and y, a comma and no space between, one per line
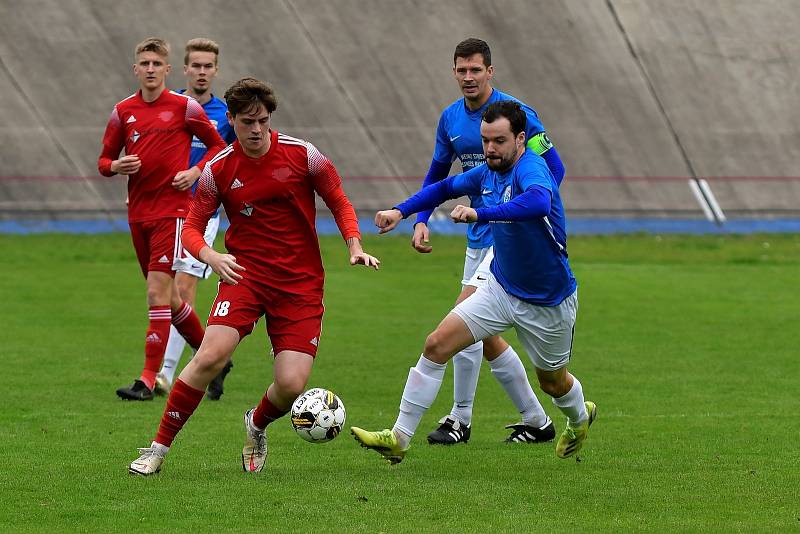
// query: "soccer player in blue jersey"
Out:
[200,66]
[530,285]
[458,135]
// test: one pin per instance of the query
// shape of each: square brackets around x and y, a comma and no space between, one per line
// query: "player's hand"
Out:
[129,164]
[363,258]
[420,238]
[463,214]
[186,179]
[387,220]
[223,264]
[358,256]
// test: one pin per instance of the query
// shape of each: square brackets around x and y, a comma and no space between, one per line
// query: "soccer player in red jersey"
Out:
[155,127]
[267,183]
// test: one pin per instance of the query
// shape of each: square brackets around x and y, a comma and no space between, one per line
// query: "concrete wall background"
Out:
[635,93]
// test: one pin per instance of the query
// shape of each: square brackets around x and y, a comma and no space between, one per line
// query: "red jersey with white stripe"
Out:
[270,204]
[160,133]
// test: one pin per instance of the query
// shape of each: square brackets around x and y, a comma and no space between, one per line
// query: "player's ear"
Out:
[229,117]
[169,68]
[490,72]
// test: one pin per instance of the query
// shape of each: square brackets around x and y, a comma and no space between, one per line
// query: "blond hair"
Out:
[201,44]
[153,44]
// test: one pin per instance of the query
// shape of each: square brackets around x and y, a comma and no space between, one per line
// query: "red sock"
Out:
[188,325]
[266,412]
[181,404]
[155,343]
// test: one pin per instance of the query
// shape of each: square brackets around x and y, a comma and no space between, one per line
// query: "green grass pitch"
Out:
[688,345]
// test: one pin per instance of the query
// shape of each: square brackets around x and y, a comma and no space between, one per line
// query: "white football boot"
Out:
[149,463]
[254,452]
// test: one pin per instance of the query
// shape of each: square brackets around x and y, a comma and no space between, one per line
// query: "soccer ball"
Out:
[318,415]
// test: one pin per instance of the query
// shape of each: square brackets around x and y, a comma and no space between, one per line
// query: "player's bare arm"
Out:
[464,214]
[129,164]
[421,238]
[387,220]
[186,179]
[359,257]
[223,264]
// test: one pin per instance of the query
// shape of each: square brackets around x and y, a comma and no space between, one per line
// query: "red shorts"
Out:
[294,322]
[157,244]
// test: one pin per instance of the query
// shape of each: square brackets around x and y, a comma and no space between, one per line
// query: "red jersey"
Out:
[160,133]
[270,204]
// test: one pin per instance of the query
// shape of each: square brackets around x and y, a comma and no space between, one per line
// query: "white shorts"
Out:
[476,266]
[544,331]
[188,264]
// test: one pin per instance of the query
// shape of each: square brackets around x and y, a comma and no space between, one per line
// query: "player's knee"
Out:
[291,385]
[437,348]
[209,360]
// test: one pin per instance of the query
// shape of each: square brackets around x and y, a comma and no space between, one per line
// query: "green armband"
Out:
[540,143]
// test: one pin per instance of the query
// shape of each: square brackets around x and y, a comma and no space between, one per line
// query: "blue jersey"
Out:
[530,257]
[459,136]
[215,109]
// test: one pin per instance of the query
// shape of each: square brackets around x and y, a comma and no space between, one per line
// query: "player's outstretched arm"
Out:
[359,257]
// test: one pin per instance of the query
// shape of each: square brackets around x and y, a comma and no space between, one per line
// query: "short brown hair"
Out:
[201,44]
[153,44]
[247,93]
[472,46]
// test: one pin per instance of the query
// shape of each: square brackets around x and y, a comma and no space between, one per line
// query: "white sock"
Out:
[172,355]
[466,368]
[163,449]
[572,405]
[509,371]
[422,386]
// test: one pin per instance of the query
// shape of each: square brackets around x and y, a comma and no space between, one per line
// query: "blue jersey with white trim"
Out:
[530,257]
[459,136]
[216,110]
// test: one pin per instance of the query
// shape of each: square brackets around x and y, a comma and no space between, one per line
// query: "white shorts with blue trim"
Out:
[545,331]
[188,264]
[476,266]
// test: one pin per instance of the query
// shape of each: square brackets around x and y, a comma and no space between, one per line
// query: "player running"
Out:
[155,126]
[200,66]
[530,285]
[267,183]
[458,135]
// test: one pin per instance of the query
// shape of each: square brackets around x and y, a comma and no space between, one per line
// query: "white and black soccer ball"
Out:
[318,415]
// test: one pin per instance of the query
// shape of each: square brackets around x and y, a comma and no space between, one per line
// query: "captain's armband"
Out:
[540,143]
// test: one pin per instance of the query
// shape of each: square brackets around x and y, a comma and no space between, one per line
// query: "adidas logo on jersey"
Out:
[163,259]
[315,341]
[236,184]
[175,415]
[247,210]
[135,136]
[130,119]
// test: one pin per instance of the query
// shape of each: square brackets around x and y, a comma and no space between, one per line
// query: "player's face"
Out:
[500,146]
[252,130]
[200,71]
[151,70]
[474,78]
